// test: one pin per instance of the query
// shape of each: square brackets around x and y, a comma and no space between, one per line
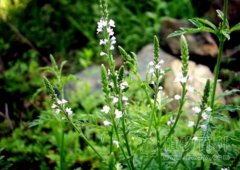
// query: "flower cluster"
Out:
[59,106]
[106,26]
[106,109]
[170,121]
[204,116]
[181,79]
[155,68]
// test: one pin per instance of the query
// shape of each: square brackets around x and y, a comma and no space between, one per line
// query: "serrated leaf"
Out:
[226,35]
[222,117]
[184,31]
[231,108]
[235,28]
[195,22]
[228,93]
[205,22]
[190,31]
[220,14]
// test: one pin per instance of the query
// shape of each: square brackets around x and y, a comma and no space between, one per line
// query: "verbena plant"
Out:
[136,127]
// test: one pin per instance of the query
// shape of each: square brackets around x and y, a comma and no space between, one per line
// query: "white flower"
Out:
[113,40]
[118,114]
[177,97]
[111,23]
[103,41]
[161,61]
[151,63]
[110,31]
[171,121]
[101,24]
[54,106]
[224,168]
[162,71]
[208,109]
[114,100]
[151,71]
[204,115]
[116,143]
[111,84]
[111,47]
[61,102]
[180,79]
[191,123]
[160,88]
[123,85]
[196,109]
[102,53]
[69,111]
[106,123]
[195,138]
[190,89]
[124,98]
[203,126]
[57,111]
[105,109]
[118,166]
[158,66]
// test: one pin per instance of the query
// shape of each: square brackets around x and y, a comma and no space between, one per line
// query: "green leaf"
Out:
[123,53]
[184,31]
[231,108]
[226,34]
[221,117]
[199,22]
[195,22]
[190,31]
[220,14]
[235,28]
[228,93]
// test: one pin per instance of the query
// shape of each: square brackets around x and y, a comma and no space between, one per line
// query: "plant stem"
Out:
[82,135]
[156,122]
[189,141]
[182,101]
[62,159]
[121,148]
[217,70]
[220,50]
[117,91]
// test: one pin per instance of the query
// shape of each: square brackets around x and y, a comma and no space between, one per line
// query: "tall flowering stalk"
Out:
[114,87]
[202,114]
[182,79]
[61,110]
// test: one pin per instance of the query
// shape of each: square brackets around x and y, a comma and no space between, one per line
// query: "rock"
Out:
[87,83]
[201,44]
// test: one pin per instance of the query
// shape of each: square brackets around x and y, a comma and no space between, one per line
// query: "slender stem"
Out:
[186,150]
[220,50]
[62,158]
[182,101]
[81,134]
[225,12]
[126,141]
[117,91]
[156,122]
[217,70]
[118,138]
